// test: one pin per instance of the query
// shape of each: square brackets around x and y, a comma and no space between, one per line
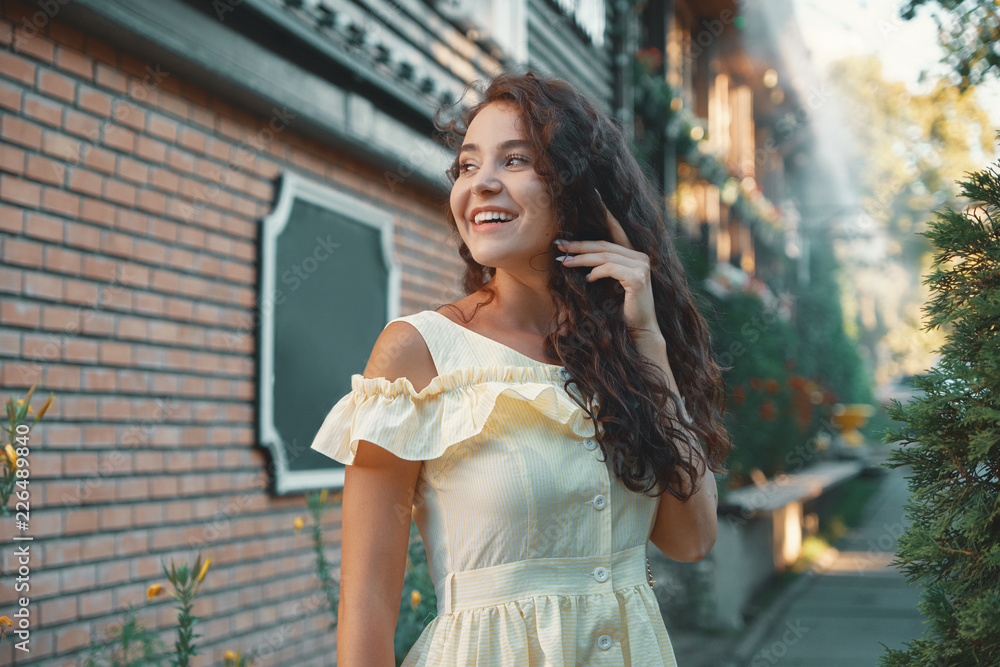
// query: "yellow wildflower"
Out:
[415,599]
[45,407]
[232,657]
[204,569]
[5,623]
[153,591]
[11,454]
[299,522]
[20,403]
[322,496]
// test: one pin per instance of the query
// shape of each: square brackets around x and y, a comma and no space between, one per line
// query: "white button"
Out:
[604,642]
[601,574]
[590,444]
[600,502]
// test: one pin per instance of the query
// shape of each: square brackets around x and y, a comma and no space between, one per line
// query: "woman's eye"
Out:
[522,158]
[463,167]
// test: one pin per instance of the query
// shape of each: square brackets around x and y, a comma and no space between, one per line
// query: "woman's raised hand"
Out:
[619,260]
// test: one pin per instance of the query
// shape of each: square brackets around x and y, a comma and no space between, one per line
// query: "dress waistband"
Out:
[491,586]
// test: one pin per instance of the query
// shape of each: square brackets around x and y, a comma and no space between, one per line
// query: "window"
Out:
[328,287]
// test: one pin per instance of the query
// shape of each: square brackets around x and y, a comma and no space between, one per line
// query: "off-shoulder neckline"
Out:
[497,343]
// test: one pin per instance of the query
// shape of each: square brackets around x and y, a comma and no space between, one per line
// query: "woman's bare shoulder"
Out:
[400,351]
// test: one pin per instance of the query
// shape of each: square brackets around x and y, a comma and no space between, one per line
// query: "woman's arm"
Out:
[684,531]
[378,495]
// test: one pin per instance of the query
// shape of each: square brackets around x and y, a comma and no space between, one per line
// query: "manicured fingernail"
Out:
[561,258]
[561,241]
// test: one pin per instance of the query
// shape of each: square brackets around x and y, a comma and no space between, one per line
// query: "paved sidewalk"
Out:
[852,602]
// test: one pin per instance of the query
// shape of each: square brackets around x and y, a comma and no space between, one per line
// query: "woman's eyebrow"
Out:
[510,143]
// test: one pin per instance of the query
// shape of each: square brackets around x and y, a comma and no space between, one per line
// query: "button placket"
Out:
[604,642]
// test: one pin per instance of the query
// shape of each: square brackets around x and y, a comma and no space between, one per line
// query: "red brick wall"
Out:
[129,214]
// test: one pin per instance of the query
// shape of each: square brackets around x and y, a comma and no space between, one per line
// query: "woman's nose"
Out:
[485,180]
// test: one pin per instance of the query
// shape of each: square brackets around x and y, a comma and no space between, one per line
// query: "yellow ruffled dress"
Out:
[537,551]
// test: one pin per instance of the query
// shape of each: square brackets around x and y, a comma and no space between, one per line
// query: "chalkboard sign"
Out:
[328,287]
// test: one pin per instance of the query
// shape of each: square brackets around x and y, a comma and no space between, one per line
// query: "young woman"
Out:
[546,427]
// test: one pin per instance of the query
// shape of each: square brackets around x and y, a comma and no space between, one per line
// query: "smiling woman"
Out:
[543,429]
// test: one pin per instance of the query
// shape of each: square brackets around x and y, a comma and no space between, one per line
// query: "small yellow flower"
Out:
[415,599]
[299,522]
[20,403]
[5,623]
[45,407]
[232,657]
[153,591]
[11,454]
[204,569]
[322,496]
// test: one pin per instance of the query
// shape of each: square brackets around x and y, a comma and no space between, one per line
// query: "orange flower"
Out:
[11,454]
[739,395]
[298,523]
[767,410]
[772,386]
[5,623]
[755,383]
[153,591]
[415,599]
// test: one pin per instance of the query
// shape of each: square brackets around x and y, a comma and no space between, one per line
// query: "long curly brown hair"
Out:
[583,158]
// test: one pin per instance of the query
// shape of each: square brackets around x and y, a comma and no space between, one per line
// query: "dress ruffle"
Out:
[420,426]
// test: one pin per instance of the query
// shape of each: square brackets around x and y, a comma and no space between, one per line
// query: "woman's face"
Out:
[496,180]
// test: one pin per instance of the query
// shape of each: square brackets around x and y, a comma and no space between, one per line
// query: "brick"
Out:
[98,212]
[133,170]
[17,313]
[130,115]
[62,377]
[153,202]
[113,243]
[16,67]
[43,110]
[100,159]
[95,604]
[62,260]
[71,638]
[40,285]
[61,146]
[12,160]
[60,201]
[21,375]
[93,100]
[131,221]
[150,149]
[84,293]
[43,169]
[101,51]
[85,182]
[44,227]
[73,61]
[40,48]
[162,127]
[192,140]
[54,84]
[10,281]
[60,610]
[98,324]
[6,32]
[119,192]
[20,191]
[96,268]
[11,219]
[82,125]
[21,132]
[116,354]
[83,351]
[111,77]
[65,319]
[62,33]
[10,343]
[43,348]
[87,237]
[119,137]
[10,96]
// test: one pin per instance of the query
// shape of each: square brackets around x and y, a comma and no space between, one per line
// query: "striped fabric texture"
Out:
[536,550]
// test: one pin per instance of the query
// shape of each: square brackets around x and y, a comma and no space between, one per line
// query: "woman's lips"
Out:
[490,226]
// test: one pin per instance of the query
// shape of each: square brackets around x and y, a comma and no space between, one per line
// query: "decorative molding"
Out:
[293,188]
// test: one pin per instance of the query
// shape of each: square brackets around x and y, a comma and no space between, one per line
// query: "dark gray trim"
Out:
[192,45]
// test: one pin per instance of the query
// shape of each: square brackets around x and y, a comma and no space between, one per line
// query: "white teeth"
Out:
[490,216]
